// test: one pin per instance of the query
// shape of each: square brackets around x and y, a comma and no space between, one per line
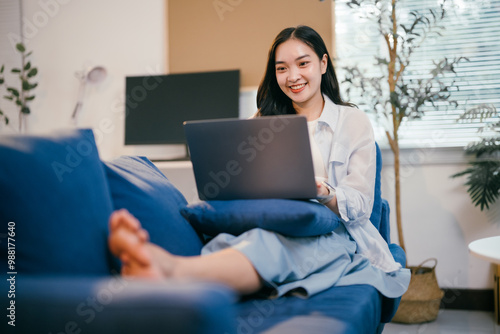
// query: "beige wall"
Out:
[209,35]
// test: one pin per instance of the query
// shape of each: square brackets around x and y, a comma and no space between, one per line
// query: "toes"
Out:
[143,235]
[123,218]
[115,220]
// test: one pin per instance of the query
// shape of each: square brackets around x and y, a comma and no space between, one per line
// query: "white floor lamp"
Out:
[94,75]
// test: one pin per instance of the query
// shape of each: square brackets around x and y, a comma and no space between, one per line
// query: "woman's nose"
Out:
[293,74]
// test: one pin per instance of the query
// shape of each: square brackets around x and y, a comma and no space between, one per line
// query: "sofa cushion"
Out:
[137,185]
[340,309]
[56,199]
[288,217]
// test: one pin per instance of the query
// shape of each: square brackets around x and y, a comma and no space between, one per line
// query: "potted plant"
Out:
[483,173]
[23,95]
[395,97]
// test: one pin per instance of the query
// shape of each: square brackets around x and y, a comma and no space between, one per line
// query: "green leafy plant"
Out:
[483,173]
[23,95]
[394,96]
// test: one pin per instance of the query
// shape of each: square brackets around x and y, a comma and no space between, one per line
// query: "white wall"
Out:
[438,218]
[128,38]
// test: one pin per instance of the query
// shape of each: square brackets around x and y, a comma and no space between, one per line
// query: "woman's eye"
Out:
[304,63]
[280,69]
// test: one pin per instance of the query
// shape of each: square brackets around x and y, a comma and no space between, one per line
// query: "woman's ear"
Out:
[324,63]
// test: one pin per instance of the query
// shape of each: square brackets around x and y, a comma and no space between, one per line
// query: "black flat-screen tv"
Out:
[157,105]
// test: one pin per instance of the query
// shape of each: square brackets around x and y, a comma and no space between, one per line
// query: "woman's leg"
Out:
[129,242]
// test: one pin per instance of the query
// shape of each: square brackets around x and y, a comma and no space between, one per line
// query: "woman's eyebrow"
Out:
[298,58]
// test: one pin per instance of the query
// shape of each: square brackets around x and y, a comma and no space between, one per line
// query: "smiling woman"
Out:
[299,79]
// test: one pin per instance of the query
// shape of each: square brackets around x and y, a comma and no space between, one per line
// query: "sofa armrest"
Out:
[398,254]
[385,224]
[116,305]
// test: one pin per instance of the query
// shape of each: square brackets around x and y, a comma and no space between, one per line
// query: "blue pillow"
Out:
[55,204]
[140,187]
[288,217]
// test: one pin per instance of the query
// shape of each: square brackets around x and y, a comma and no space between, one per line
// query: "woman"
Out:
[299,79]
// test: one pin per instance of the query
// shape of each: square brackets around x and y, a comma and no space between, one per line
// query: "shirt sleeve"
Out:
[353,167]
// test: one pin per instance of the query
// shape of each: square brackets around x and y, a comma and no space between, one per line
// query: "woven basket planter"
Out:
[421,302]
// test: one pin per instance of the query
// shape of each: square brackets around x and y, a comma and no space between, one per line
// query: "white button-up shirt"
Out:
[345,138]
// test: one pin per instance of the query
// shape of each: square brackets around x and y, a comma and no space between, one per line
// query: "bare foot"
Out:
[142,259]
[129,242]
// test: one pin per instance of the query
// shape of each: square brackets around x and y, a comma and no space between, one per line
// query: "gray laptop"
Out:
[264,157]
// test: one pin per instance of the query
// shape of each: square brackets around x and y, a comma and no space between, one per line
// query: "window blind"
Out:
[472,30]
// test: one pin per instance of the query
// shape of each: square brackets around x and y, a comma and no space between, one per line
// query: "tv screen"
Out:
[157,105]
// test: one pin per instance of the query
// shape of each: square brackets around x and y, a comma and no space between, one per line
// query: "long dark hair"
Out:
[270,98]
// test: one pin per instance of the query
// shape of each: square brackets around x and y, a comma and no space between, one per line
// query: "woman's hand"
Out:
[325,191]
[322,189]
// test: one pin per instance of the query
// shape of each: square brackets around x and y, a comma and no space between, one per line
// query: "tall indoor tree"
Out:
[393,95]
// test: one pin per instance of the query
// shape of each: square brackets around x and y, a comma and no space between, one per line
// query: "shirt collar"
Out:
[330,113]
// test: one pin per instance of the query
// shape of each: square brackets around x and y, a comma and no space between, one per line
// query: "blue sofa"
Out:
[59,277]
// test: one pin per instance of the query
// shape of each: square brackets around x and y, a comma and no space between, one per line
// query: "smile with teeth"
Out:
[297,88]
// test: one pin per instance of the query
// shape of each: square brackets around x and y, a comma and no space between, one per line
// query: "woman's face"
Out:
[298,72]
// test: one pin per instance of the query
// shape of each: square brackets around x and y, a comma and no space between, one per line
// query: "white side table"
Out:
[489,249]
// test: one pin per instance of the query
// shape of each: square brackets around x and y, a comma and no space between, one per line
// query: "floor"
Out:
[450,322]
